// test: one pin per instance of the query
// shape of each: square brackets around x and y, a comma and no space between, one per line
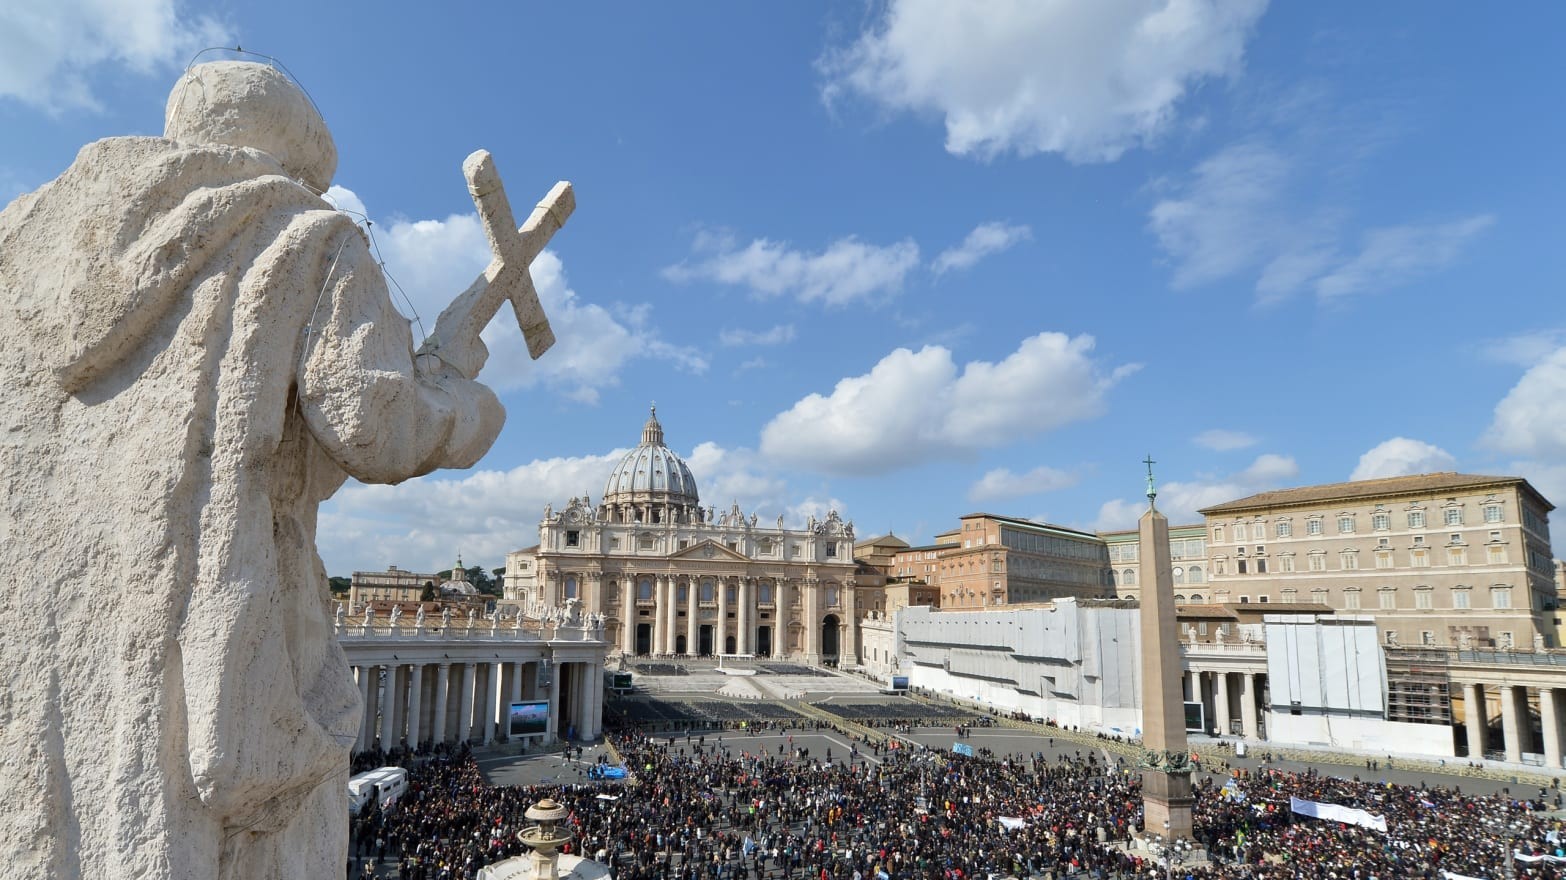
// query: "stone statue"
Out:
[396,615]
[780,522]
[418,619]
[339,617]
[187,311]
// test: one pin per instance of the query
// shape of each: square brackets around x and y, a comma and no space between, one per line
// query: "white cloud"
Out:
[1401,457]
[431,261]
[1002,483]
[918,406]
[1531,420]
[49,49]
[984,240]
[1179,500]
[1086,80]
[1249,211]
[1523,349]
[425,522]
[1220,440]
[847,270]
[773,336]
[1397,254]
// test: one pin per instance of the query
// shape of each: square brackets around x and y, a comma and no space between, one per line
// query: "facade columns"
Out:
[518,670]
[1474,720]
[415,702]
[811,611]
[628,617]
[721,631]
[465,708]
[1248,704]
[848,642]
[442,688]
[657,616]
[1550,720]
[671,612]
[1511,730]
[1221,701]
[692,616]
[598,691]
[746,597]
[389,708]
[584,700]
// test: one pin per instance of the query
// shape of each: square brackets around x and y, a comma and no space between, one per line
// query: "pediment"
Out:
[709,550]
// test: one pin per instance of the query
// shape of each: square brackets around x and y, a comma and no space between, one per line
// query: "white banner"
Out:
[1012,823]
[1337,813]
[1451,876]
[1524,857]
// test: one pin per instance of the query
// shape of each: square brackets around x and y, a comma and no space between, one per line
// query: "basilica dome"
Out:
[652,473]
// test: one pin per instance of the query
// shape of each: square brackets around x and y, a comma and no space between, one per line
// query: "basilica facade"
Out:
[674,578]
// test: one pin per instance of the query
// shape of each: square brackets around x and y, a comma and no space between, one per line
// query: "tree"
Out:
[339,585]
[481,581]
[429,592]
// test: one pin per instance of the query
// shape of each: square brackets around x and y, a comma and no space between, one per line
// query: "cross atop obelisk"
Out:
[1166,767]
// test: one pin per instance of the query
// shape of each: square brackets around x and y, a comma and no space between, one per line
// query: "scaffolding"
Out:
[1418,686]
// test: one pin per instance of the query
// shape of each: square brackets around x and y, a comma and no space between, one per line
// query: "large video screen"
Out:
[530,718]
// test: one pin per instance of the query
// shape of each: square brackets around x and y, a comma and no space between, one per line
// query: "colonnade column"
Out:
[1510,719]
[598,691]
[721,631]
[1221,702]
[367,717]
[442,687]
[1248,704]
[657,617]
[1474,720]
[388,703]
[692,615]
[628,617]
[746,596]
[584,700]
[465,707]
[492,699]
[518,669]
[415,702]
[848,644]
[1550,720]
[551,731]
[783,612]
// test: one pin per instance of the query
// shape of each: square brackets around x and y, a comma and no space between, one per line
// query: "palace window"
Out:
[1318,562]
[706,590]
[644,590]
[1351,599]
[1128,577]
[1492,513]
[764,594]
[570,587]
[1453,516]
[1217,534]
[573,538]
[831,549]
[1319,596]
[1286,563]
[1423,598]
[1419,558]
[1387,597]
[1461,600]
[1348,560]
[1381,522]
[1258,531]
[1500,597]
[1285,528]
[1313,526]
[1456,556]
[1416,519]
[1495,554]
[1194,574]
[1383,559]
[1345,525]
[644,542]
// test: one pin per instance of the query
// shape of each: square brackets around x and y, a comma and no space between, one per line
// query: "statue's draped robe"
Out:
[198,352]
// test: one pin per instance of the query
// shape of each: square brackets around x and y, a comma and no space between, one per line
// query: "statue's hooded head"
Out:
[243,104]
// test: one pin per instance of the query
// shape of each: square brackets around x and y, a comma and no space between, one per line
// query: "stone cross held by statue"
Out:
[506,276]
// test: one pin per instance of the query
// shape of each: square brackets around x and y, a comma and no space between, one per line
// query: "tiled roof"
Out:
[1359,489]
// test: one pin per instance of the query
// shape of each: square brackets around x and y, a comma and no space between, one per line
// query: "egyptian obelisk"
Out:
[1166,768]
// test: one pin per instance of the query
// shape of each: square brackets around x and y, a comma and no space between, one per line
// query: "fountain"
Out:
[545,840]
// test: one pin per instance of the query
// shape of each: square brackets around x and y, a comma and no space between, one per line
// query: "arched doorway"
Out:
[829,640]
[728,645]
[644,638]
[704,638]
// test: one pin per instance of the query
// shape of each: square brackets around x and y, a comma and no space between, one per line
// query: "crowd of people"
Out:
[705,810]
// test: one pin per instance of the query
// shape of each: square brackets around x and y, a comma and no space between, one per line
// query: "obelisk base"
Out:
[1167,803]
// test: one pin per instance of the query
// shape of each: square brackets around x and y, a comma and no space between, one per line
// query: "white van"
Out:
[381,786]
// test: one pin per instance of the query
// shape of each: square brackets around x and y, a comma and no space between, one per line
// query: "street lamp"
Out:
[1507,834]
[1171,851]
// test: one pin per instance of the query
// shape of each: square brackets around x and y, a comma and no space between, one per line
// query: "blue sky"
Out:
[911,260]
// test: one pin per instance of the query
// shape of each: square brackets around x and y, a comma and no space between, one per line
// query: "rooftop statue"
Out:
[201,351]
